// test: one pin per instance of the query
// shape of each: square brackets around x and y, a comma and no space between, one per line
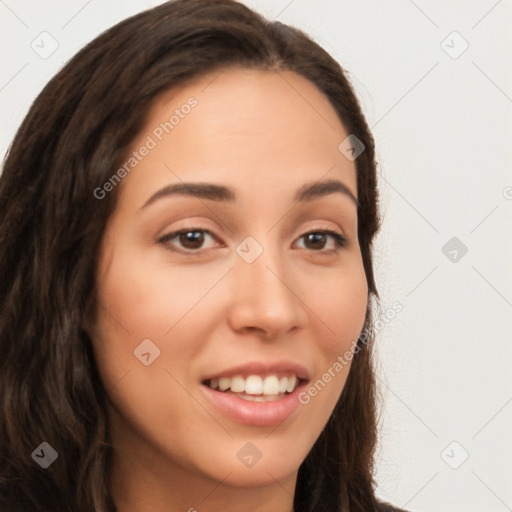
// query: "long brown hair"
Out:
[74,137]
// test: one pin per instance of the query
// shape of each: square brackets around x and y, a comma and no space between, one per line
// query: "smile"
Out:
[255,388]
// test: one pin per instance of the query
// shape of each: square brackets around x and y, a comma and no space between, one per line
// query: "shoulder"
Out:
[387,507]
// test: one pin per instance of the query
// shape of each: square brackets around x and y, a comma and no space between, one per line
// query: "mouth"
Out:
[256,400]
[258,393]
[256,388]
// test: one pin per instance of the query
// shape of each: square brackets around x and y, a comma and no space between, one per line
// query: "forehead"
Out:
[249,128]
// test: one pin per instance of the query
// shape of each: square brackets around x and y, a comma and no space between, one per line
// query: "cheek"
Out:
[342,304]
[147,299]
[146,309]
[341,307]
[140,300]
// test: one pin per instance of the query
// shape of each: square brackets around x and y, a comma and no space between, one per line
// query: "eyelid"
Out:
[322,227]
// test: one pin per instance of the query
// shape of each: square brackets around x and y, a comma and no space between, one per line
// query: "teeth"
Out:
[224,383]
[253,385]
[237,384]
[269,386]
[291,383]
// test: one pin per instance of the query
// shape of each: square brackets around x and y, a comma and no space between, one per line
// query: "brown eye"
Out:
[191,239]
[317,241]
[187,240]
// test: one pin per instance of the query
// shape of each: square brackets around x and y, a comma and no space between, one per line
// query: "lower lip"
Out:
[261,414]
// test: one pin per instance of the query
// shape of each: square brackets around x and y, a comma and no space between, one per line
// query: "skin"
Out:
[264,134]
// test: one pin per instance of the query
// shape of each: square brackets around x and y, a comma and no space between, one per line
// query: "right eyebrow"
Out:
[202,190]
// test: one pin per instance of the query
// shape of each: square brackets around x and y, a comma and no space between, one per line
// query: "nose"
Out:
[265,297]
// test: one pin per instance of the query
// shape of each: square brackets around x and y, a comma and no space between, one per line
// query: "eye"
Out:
[190,239]
[317,240]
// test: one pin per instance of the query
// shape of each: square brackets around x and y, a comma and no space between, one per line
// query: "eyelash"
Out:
[340,240]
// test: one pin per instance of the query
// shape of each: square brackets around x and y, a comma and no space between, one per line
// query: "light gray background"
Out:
[443,126]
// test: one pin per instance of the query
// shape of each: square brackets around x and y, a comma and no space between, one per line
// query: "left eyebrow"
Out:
[311,191]
[214,192]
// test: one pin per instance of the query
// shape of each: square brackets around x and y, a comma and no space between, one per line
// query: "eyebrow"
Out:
[213,192]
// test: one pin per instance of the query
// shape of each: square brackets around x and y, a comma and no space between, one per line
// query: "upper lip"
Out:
[281,368]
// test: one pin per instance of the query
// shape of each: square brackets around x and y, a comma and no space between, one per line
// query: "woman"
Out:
[187,214]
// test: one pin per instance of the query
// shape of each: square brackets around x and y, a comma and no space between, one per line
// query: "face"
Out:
[222,302]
